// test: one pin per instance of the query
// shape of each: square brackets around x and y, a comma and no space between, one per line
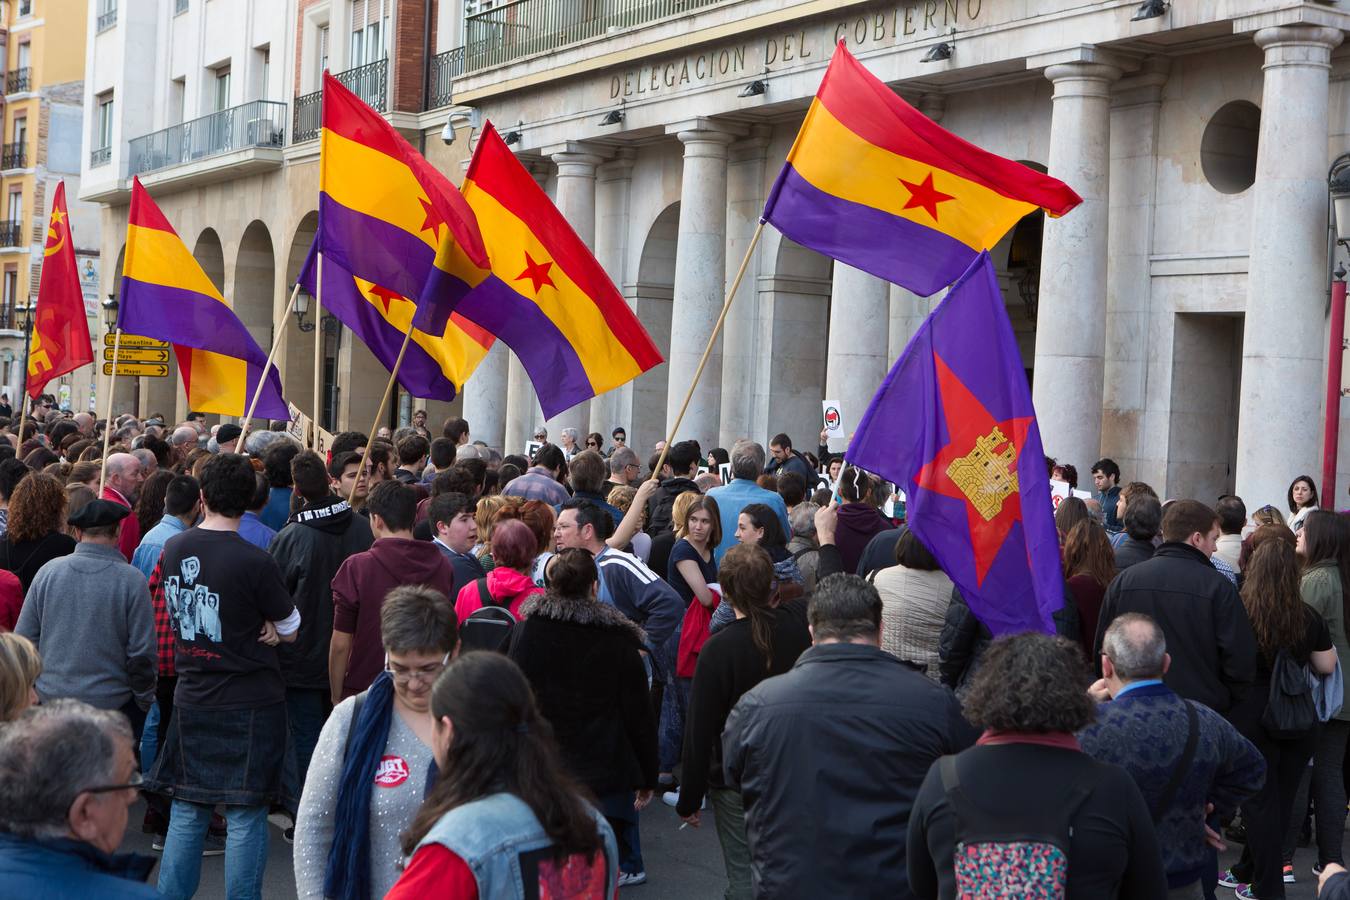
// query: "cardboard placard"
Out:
[834,419]
[531,448]
[724,472]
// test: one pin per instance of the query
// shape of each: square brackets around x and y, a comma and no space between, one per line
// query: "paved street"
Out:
[681,865]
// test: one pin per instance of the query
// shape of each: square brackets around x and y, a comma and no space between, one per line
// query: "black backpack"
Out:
[1290,710]
[488,627]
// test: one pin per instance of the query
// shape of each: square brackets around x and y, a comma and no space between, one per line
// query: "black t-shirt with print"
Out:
[219,590]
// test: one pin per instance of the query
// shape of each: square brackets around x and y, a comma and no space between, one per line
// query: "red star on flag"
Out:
[924,195]
[537,273]
[384,296]
[968,421]
[433,220]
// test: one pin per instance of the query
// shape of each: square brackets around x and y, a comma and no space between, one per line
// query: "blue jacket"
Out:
[734,497]
[151,546]
[66,869]
[1144,732]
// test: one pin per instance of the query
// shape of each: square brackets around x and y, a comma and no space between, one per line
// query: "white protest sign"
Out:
[834,420]
[1059,492]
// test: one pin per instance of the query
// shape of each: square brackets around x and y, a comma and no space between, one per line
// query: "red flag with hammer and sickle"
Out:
[60,328]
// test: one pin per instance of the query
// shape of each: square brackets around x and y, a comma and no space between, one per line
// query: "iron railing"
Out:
[261,123]
[369,82]
[17,80]
[445,67]
[107,18]
[100,156]
[526,27]
[12,155]
[11,233]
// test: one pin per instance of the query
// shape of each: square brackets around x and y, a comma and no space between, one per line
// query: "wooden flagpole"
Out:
[317,412]
[707,351]
[107,420]
[384,401]
[23,413]
[276,343]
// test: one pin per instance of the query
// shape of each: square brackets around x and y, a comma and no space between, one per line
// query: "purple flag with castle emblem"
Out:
[954,427]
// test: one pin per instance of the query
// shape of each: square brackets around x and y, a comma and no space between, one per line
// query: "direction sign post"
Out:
[137,369]
[137,354]
[135,340]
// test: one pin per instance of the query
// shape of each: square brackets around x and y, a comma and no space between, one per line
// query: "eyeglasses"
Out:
[592,444]
[425,674]
[633,466]
[134,783]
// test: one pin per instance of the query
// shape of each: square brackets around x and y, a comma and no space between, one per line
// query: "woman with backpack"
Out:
[1324,545]
[1033,815]
[1290,635]
[505,819]
[583,659]
[510,582]
[370,768]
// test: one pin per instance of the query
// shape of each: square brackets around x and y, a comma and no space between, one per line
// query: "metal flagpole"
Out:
[276,343]
[707,351]
[384,401]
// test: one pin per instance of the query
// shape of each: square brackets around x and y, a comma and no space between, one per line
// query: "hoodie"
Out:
[359,589]
[507,586]
[310,547]
[858,524]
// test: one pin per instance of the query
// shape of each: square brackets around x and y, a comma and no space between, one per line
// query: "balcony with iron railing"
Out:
[11,233]
[369,82]
[100,156]
[12,156]
[445,67]
[106,19]
[18,80]
[259,124]
[521,28]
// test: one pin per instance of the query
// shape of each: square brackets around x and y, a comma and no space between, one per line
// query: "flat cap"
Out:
[98,513]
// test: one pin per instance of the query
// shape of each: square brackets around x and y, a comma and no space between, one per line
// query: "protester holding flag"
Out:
[60,342]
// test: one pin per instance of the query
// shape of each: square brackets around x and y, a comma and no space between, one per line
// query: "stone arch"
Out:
[298,350]
[255,282]
[794,316]
[652,297]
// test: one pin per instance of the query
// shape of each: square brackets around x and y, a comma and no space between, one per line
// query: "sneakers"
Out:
[1316,870]
[212,846]
[1229,880]
[632,879]
[1289,873]
[1244,892]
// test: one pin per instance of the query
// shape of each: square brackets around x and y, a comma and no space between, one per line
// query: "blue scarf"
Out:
[348,873]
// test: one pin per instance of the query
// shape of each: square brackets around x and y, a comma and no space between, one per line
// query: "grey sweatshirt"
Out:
[400,784]
[90,616]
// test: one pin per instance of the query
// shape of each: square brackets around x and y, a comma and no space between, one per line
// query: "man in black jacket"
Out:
[1205,625]
[850,729]
[785,459]
[677,476]
[309,549]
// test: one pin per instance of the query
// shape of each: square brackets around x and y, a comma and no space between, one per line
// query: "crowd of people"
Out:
[440,671]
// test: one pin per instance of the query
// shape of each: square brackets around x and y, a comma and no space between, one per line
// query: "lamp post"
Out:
[26,310]
[1338,185]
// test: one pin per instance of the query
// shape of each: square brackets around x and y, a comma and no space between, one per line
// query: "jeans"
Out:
[245,851]
[730,821]
[674,707]
[623,818]
[306,710]
[150,739]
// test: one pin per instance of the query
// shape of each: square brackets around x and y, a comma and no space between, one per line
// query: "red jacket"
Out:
[129,537]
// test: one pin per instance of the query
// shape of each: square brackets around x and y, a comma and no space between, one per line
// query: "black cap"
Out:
[98,513]
[227,433]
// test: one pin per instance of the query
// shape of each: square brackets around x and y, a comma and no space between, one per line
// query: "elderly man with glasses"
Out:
[67,778]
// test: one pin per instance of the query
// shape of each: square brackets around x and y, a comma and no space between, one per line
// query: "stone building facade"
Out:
[1176,321]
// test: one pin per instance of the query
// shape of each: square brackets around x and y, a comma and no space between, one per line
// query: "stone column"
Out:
[1071,344]
[522,407]
[700,278]
[908,309]
[614,181]
[485,396]
[1138,442]
[745,201]
[576,201]
[859,337]
[1285,328]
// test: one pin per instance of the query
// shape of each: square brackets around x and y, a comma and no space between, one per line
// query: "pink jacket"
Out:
[505,585]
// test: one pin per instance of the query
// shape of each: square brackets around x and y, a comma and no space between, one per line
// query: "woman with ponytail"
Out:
[371,767]
[763,641]
[505,820]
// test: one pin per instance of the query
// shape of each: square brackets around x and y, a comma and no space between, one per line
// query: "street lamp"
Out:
[26,310]
[301,308]
[110,312]
[1338,186]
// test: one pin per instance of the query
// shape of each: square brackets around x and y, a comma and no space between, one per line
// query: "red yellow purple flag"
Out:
[545,295]
[60,342]
[876,184]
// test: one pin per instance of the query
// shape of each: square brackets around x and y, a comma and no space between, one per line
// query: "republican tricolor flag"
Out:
[60,328]
[876,184]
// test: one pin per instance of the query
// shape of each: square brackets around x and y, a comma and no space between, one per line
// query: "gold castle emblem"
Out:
[985,475]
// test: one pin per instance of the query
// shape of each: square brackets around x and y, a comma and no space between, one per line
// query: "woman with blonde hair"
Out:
[20,667]
[484,514]
[663,543]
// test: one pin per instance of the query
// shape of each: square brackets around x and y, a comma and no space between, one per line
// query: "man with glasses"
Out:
[624,469]
[67,778]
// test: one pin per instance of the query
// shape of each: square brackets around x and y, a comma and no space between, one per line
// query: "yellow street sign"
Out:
[137,354]
[132,370]
[134,340]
